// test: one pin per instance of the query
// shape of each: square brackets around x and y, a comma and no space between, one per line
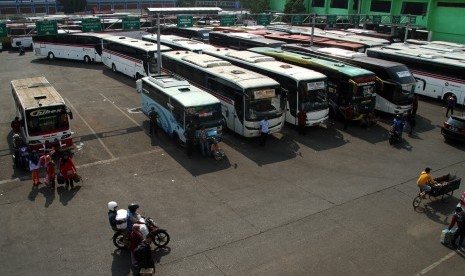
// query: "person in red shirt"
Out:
[67,169]
[51,175]
[301,122]
[459,218]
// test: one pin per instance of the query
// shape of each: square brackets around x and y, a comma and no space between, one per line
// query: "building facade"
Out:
[443,18]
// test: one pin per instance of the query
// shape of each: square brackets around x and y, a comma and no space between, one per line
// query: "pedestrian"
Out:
[451,105]
[410,119]
[22,51]
[16,125]
[301,122]
[459,218]
[153,116]
[67,169]
[347,115]
[34,166]
[264,130]
[190,139]
[203,141]
[51,175]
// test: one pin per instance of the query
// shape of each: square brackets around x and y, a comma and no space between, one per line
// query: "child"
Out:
[51,175]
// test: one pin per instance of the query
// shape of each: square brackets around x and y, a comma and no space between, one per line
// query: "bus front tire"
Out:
[51,56]
[87,59]
[113,67]
[138,76]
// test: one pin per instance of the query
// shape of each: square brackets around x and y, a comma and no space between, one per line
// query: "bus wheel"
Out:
[113,67]
[51,56]
[138,76]
[446,97]
[87,59]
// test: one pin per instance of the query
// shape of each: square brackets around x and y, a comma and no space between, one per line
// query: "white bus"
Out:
[177,104]
[179,43]
[133,57]
[438,75]
[44,114]
[76,46]
[304,89]
[246,97]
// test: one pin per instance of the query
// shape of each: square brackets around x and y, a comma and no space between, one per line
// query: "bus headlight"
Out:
[34,142]
[65,136]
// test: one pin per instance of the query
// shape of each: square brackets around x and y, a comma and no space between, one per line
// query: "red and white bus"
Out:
[43,113]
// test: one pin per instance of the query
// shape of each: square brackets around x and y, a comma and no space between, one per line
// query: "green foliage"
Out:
[186,3]
[294,7]
[72,6]
[256,6]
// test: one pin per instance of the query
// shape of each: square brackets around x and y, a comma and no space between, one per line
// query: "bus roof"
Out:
[348,70]
[267,63]
[98,35]
[136,43]
[35,92]
[179,41]
[249,36]
[180,90]
[453,59]
[221,68]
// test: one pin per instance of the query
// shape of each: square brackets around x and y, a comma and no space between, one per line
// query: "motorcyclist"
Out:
[112,209]
[426,182]
[398,125]
[133,217]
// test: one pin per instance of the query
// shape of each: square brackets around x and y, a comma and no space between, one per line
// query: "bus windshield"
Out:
[312,96]
[207,115]
[45,120]
[402,76]
[152,62]
[364,91]
[263,102]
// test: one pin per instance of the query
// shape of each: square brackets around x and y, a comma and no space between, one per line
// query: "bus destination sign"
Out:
[91,25]
[131,23]
[46,27]
[185,21]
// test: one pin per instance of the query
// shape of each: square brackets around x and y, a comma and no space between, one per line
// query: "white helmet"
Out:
[112,205]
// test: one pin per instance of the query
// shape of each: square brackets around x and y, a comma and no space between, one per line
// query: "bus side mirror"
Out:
[70,113]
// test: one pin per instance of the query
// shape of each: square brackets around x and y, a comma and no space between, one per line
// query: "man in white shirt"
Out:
[264,130]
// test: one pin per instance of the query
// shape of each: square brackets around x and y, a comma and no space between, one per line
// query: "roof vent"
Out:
[122,37]
[237,72]
[285,66]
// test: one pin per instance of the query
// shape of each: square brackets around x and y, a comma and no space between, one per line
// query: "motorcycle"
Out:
[394,137]
[160,237]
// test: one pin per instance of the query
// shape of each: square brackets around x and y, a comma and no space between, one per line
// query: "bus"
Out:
[43,113]
[130,56]
[179,43]
[438,75]
[179,103]
[86,47]
[305,89]
[346,84]
[242,41]
[317,41]
[394,81]
[246,97]
[196,33]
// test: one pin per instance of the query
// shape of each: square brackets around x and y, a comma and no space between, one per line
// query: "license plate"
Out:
[453,128]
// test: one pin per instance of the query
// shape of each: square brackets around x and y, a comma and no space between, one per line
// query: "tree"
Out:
[72,6]
[294,7]
[256,6]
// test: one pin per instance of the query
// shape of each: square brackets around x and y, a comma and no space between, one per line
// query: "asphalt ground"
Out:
[332,202]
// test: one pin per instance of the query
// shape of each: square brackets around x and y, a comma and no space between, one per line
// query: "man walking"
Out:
[347,115]
[450,105]
[264,130]
[153,116]
[301,122]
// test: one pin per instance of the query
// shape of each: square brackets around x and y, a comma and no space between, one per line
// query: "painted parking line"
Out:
[435,264]
[120,110]
[91,129]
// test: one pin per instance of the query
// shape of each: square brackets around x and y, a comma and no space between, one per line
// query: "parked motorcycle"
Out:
[394,137]
[159,236]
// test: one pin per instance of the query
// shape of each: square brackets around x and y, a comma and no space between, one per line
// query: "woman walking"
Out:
[34,166]
[67,169]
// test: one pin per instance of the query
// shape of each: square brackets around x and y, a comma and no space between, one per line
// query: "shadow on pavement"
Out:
[121,265]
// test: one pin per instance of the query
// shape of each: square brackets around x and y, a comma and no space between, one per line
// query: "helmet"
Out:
[458,209]
[133,207]
[112,205]
[398,117]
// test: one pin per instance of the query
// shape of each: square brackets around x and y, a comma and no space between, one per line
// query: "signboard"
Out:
[228,20]
[131,23]
[46,27]
[355,19]
[91,25]
[376,19]
[412,19]
[395,19]
[264,19]
[185,21]
[331,19]
[3,32]
[297,20]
